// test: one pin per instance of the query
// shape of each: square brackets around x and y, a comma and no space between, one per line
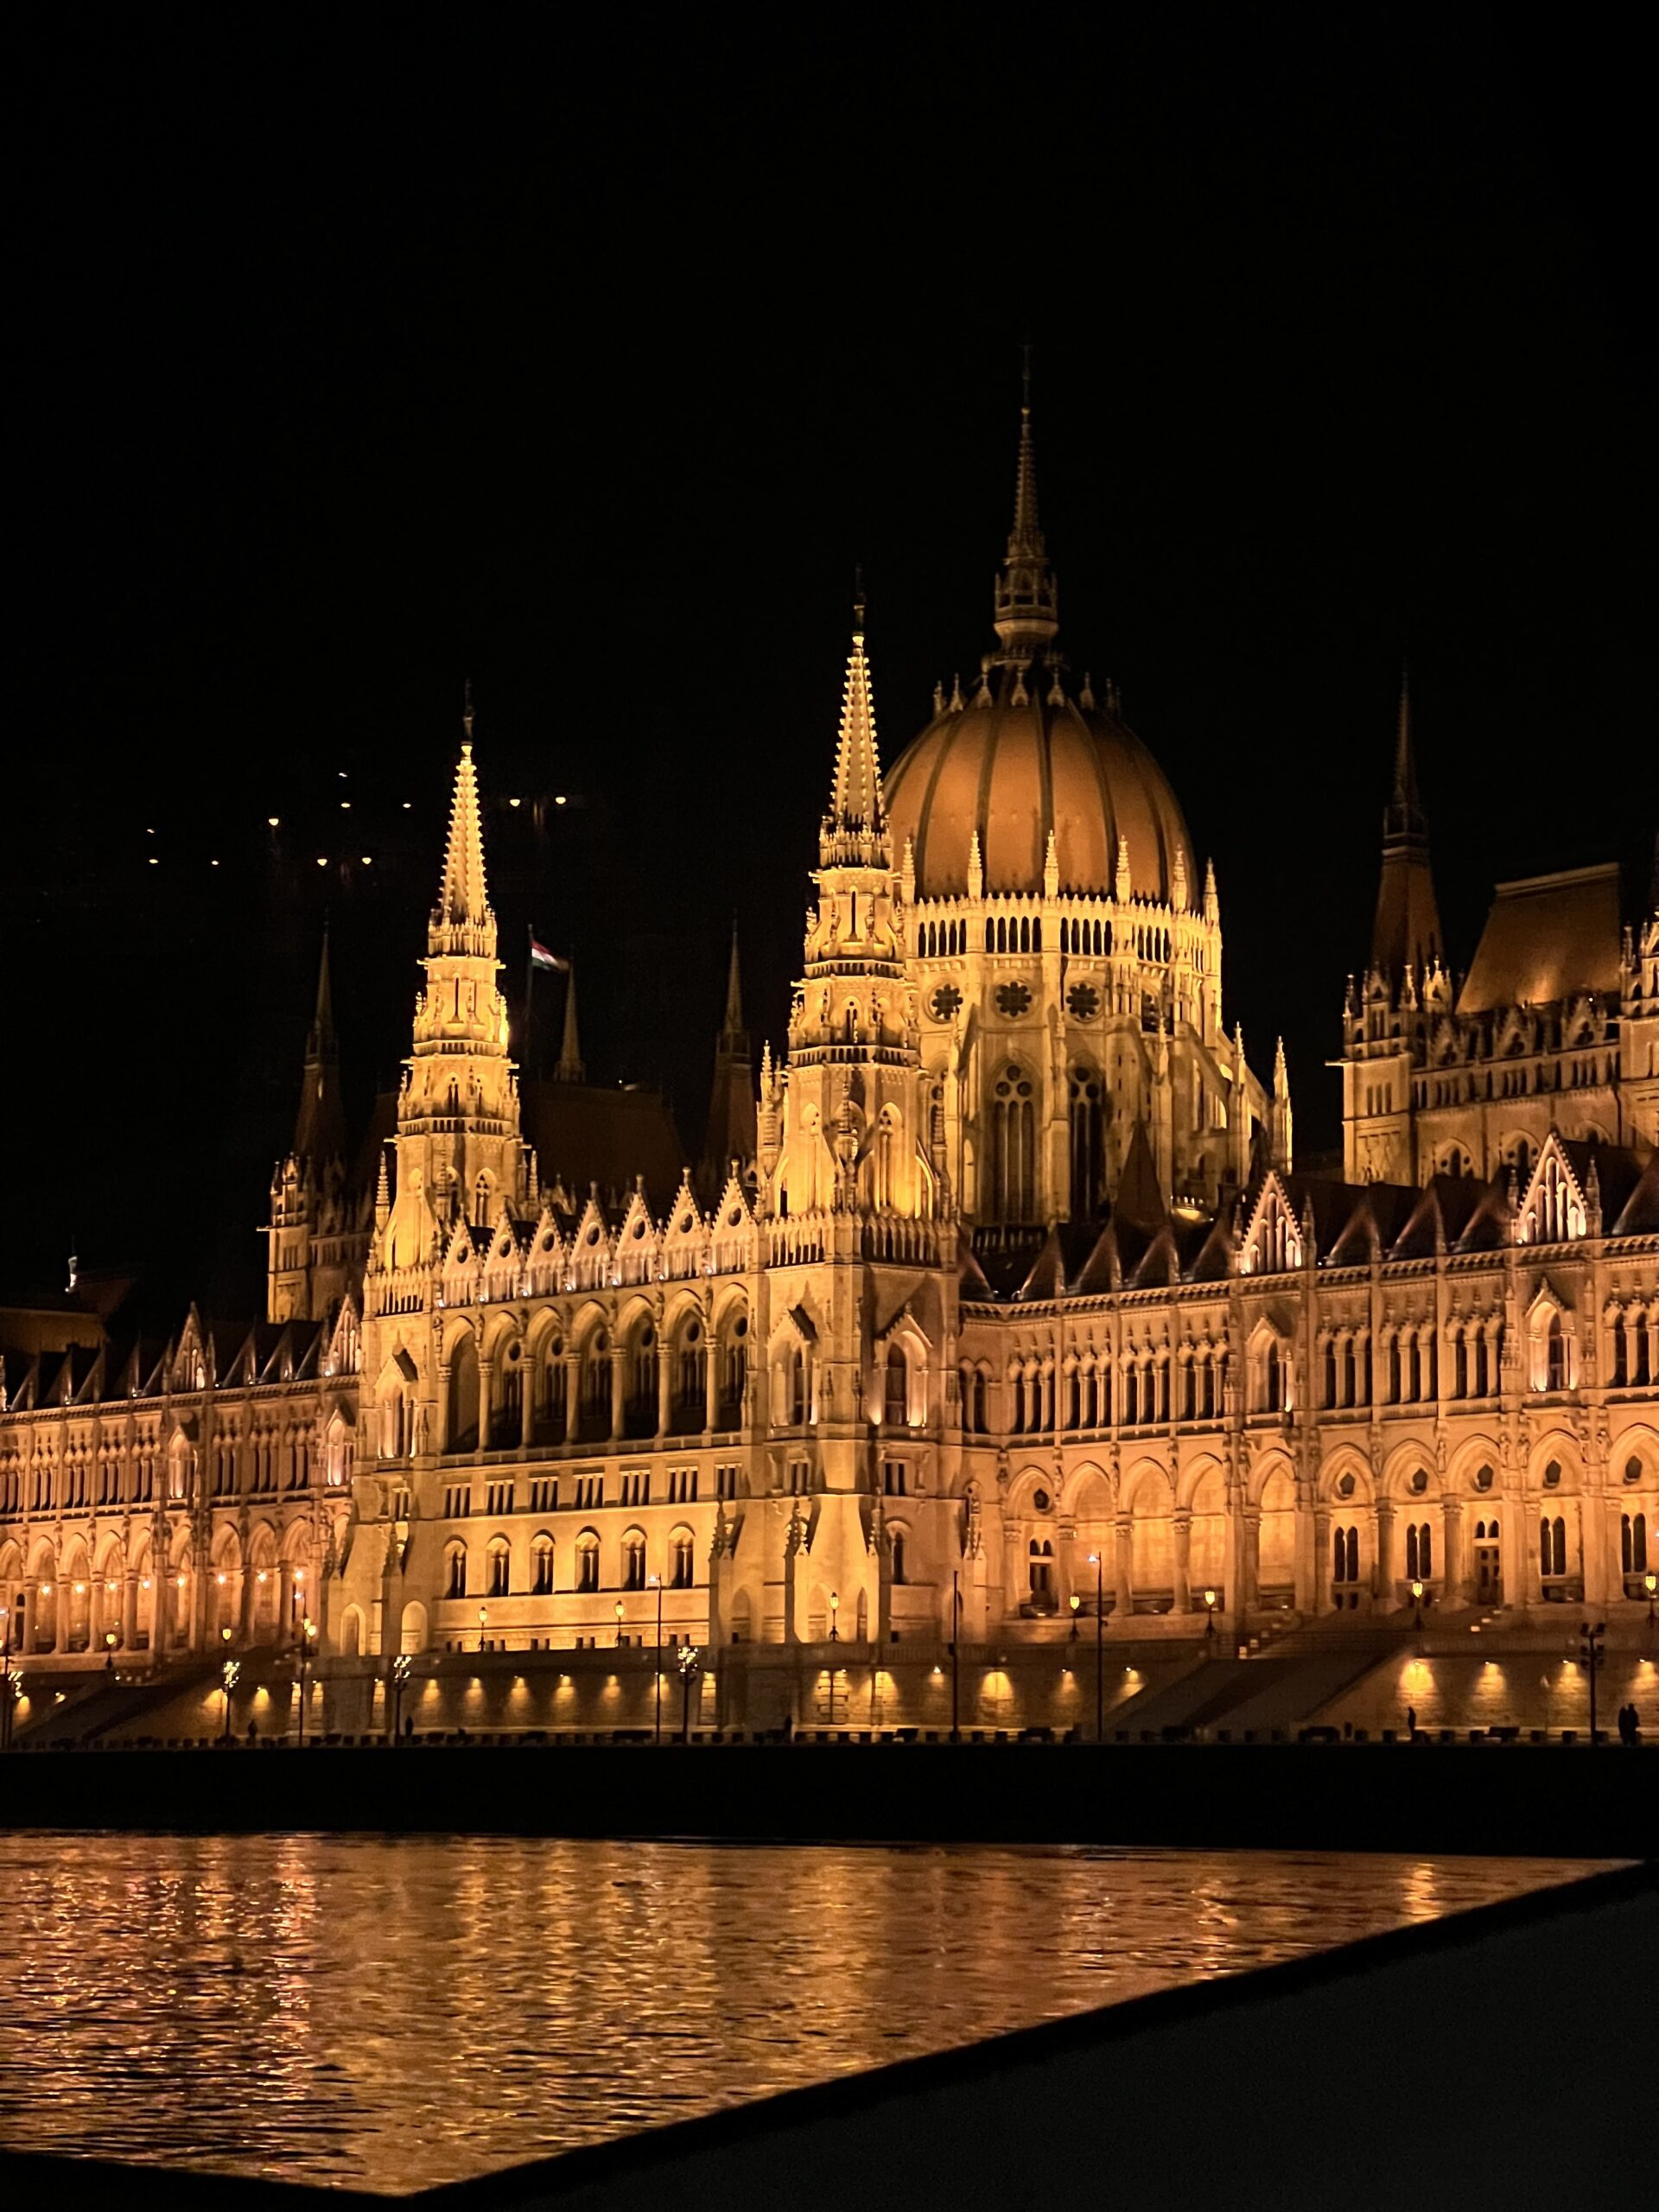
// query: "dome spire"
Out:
[1027,603]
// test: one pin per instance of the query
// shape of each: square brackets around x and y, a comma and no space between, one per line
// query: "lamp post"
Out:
[617,1608]
[656,1581]
[1417,1604]
[483,1623]
[307,1641]
[402,1667]
[1210,1621]
[690,1666]
[5,1678]
[1651,1583]
[1097,1560]
[108,1651]
[1591,1651]
[834,1617]
[956,1653]
[1075,1602]
[228,1674]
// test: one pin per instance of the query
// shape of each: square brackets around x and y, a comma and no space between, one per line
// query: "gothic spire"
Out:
[1026,604]
[1406,930]
[319,1125]
[569,1068]
[732,1026]
[856,821]
[462,896]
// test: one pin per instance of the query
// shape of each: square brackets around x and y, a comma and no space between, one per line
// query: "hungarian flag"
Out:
[541,957]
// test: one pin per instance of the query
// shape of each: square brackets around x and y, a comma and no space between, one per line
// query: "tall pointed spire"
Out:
[463,898]
[319,1125]
[569,1067]
[1027,602]
[1406,930]
[732,1026]
[857,820]
[730,1132]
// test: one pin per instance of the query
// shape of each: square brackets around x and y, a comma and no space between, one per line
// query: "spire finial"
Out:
[1025,607]
[858,600]
[463,896]
[569,1067]
[856,806]
[466,713]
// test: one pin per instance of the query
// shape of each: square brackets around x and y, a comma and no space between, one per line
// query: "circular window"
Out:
[685,1224]
[1082,1001]
[1633,1470]
[1012,1084]
[740,1328]
[1012,999]
[593,1234]
[945,1001]
[512,1354]
[647,1336]
[1041,1500]
[1345,1487]
[638,1228]
[1552,1475]
[547,1241]
[1420,1482]
[694,1334]
[1482,1478]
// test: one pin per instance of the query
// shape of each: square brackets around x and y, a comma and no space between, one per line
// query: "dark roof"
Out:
[1548,937]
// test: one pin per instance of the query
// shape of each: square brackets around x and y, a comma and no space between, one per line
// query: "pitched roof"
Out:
[1547,937]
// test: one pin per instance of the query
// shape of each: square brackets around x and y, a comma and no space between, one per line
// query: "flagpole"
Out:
[530,988]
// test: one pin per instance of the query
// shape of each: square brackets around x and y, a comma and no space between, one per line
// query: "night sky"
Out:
[350,365]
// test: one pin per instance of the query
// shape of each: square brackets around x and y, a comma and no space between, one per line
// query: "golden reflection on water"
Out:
[396,2012]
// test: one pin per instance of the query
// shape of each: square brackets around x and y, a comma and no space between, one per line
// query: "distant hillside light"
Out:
[273,822]
[345,806]
[322,860]
[558,798]
[366,860]
[515,802]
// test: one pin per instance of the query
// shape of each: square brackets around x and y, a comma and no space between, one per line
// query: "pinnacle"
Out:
[855,801]
[462,895]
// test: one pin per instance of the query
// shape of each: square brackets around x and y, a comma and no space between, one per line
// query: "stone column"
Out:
[1125,1567]
[572,1395]
[129,1610]
[1454,1579]
[1385,1592]
[710,1384]
[619,1377]
[526,1404]
[1249,1555]
[1599,1586]
[285,1603]
[95,1614]
[1320,1595]
[446,1442]
[664,1384]
[486,1402]
[1182,1530]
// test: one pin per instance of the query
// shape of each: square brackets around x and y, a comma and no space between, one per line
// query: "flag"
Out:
[541,957]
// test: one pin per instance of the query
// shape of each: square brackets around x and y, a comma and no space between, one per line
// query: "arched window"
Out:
[1344,1555]
[639,1405]
[1633,1543]
[549,1392]
[1272,1387]
[690,1401]
[1014,1152]
[1552,1546]
[500,1582]
[512,1388]
[897,1541]
[796,1394]
[1489,1579]
[541,1565]
[586,1560]
[454,1570]
[1088,1123]
[681,1559]
[633,1561]
[896,1405]
[596,1387]
[734,1369]
[463,1397]
[1554,1354]
[1420,1552]
[1040,1570]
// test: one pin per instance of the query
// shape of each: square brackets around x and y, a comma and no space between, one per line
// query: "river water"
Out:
[397,2012]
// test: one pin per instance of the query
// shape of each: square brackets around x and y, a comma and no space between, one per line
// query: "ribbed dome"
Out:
[1014,771]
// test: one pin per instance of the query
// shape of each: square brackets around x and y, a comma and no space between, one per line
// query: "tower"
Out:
[458,1145]
[731,1131]
[1406,932]
[316,1237]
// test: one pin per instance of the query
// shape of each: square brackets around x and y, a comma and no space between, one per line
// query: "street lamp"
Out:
[1651,1583]
[307,1644]
[618,1609]
[1097,1560]
[655,1582]
[1209,1618]
[109,1651]
[956,1653]
[834,1610]
[1075,1602]
[1417,1604]
[1591,1651]
[483,1623]
[402,1667]
[690,1666]
[228,1674]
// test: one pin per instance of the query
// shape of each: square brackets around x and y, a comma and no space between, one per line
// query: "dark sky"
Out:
[586,362]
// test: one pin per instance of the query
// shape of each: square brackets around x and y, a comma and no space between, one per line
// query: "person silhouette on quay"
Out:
[1411,1723]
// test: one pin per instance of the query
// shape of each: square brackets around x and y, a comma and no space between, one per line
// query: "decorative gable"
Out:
[1554,1209]
[1273,1240]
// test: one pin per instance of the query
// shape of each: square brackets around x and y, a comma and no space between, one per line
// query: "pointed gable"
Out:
[1553,1208]
[1273,1240]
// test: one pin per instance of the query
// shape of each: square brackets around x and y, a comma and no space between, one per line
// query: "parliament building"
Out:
[1008,1332]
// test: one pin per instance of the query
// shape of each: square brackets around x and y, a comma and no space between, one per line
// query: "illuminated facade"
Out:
[1019,1304]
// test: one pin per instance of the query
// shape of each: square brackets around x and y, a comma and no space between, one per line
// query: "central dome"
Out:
[1013,763]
